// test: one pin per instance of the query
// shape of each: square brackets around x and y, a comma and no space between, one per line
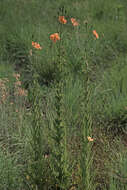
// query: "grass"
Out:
[63,105]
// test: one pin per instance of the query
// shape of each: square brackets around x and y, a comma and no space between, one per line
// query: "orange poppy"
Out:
[36,45]
[95,34]
[90,139]
[54,37]
[62,20]
[74,22]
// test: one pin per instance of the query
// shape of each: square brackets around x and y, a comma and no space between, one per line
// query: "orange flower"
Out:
[74,22]
[36,45]
[62,20]
[33,43]
[90,139]
[95,34]
[54,37]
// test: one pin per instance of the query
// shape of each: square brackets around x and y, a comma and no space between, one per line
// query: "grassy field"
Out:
[63,95]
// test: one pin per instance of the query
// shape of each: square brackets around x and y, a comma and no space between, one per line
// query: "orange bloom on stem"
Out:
[95,34]
[54,37]
[62,20]
[89,139]
[74,22]
[36,45]
[33,43]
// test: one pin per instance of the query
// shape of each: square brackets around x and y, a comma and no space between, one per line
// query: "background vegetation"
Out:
[63,121]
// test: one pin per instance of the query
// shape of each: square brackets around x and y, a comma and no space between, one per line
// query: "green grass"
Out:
[66,92]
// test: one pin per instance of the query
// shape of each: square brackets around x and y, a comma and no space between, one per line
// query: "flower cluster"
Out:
[62,20]
[36,45]
[74,22]
[54,37]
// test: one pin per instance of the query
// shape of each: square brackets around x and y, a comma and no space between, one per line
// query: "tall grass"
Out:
[57,107]
[59,155]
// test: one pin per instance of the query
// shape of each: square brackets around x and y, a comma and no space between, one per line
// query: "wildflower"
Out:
[54,37]
[74,22]
[89,139]
[95,34]
[62,20]
[36,45]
